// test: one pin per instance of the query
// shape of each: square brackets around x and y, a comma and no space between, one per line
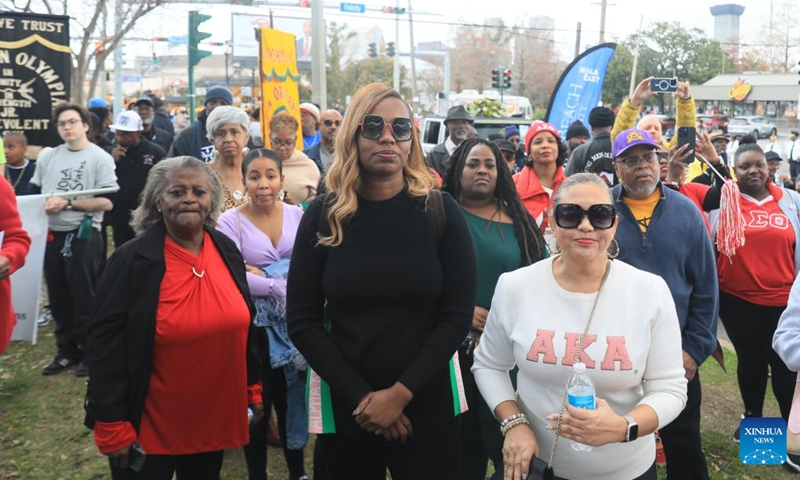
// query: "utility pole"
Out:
[396,58]
[413,63]
[319,85]
[603,4]
[117,59]
[635,58]
[578,40]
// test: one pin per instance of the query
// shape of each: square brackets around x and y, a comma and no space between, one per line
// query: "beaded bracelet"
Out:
[514,423]
[504,425]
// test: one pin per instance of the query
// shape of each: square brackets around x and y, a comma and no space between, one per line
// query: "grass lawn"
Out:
[42,436]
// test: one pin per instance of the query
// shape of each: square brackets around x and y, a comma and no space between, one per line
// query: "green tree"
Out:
[618,74]
[369,70]
[338,86]
[665,50]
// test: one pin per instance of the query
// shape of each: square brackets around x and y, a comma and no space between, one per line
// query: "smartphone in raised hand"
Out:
[687,136]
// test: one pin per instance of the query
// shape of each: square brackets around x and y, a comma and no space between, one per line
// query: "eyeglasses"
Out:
[601,216]
[632,162]
[283,143]
[372,127]
[68,123]
[329,123]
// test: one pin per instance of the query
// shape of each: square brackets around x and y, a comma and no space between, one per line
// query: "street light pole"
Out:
[319,93]
[118,59]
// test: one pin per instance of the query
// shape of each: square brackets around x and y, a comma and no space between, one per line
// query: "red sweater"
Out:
[14,247]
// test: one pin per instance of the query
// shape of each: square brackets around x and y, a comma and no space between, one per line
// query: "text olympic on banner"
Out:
[578,90]
[279,79]
[26,282]
[35,71]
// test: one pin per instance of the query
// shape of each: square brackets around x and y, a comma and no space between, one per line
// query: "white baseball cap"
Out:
[128,121]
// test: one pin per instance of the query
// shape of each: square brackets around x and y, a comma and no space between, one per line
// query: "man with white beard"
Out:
[145,107]
[457,122]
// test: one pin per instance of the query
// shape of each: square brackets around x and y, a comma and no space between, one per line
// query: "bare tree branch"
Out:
[131,14]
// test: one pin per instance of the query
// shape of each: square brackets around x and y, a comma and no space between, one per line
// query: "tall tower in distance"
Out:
[726,23]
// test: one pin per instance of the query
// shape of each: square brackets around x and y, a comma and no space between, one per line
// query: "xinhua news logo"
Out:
[762,441]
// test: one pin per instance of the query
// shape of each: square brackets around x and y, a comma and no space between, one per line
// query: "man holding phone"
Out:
[652,217]
[686,115]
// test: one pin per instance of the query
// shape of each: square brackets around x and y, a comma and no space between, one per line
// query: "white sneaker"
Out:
[45,318]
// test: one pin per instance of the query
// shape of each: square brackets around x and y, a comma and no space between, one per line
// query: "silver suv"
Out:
[753,124]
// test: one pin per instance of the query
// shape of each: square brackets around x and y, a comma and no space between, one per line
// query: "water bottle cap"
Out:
[579,367]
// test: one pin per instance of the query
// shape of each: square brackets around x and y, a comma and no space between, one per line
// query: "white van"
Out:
[434,131]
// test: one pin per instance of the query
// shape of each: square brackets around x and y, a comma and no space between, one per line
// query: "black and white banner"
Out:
[35,68]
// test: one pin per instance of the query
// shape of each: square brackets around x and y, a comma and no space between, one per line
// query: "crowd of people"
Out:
[420,314]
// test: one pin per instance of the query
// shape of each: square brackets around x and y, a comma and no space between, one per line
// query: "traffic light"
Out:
[196,36]
[372,50]
[390,49]
[396,10]
[798,64]
[497,78]
[507,78]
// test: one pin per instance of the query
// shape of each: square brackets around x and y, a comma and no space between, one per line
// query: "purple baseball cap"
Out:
[631,138]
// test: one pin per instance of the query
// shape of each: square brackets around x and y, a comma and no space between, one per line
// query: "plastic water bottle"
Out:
[580,394]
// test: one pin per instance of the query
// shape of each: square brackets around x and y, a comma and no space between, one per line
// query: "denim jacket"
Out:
[271,315]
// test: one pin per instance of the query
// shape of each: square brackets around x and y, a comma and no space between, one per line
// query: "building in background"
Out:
[726,23]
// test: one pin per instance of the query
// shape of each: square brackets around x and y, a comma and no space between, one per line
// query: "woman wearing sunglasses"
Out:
[506,238]
[632,351]
[378,303]
[542,173]
[300,172]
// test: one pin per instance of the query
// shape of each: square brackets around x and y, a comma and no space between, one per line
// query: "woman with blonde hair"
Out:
[300,172]
[380,295]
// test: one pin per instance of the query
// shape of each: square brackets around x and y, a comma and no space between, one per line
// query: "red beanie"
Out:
[536,128]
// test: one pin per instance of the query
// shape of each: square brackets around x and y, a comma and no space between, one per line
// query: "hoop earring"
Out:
[613,250]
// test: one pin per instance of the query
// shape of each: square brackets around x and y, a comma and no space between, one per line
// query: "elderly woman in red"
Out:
[13,248]
[542,173]
[172,349]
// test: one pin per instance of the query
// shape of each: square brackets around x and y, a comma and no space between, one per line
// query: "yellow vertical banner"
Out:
[279,79]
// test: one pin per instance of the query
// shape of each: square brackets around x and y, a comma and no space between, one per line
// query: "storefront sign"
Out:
[35,68]
[740,90]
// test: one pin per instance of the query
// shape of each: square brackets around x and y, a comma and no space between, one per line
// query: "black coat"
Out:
[122,329]
[438,159]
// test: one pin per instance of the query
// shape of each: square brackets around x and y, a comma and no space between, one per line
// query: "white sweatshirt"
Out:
[633,356]
[786,339]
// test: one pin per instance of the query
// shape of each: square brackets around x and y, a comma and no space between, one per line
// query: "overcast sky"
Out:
[622,18]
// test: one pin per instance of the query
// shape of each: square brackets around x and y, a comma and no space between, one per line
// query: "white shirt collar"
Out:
[450,146]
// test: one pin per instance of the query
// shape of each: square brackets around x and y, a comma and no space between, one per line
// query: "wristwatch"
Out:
[633,429]
[69,204]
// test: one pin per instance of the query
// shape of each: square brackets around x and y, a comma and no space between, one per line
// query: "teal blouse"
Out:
[497,252]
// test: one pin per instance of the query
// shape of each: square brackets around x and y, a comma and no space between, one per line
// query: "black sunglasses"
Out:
[328,123]
[372,127]
[570,215]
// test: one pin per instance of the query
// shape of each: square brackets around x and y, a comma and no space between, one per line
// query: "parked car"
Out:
[434,132]
[713,123]
[753,124]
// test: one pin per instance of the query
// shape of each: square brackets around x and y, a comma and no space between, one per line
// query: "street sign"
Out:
[352,7]
[131,78]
